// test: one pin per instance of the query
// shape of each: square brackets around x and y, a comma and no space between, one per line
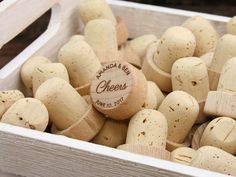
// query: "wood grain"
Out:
[43,154]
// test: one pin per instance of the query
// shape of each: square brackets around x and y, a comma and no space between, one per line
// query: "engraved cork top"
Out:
[114,90]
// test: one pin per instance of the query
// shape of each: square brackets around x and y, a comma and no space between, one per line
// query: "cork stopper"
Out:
[46,71]
[28,113]
[221,133]
[215,159]
[231,26]
[222,102]
[102,37]
[126,54]
[154,96]
[177,42]
[190,75]
[148,127]
[205,34]
[85,128]
[147,134]
[64,104]
[80,60]
[195,144]
[140,44]
[95,9]
[118,90]
[225,50]
[207,58]
[7,98]
[181,111]
[112,134]
[121,31]
[153,73]
[28,69]
[226,82]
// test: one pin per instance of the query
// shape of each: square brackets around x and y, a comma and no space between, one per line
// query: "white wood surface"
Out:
[142,19]
[41,154]
[31,153]
[16,15]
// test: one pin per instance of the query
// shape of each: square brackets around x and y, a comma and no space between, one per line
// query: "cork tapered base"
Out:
[155,152]
[86,128]
[121,31]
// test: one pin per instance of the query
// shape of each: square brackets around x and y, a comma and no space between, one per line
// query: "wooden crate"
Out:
[31,153]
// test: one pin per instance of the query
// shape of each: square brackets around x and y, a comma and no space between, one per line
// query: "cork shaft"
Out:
[94,9]
[112,134]
[28,113]
[28,69]
[149,128]
[46,71]
[181,111]
[102,37]
[205,34]
[7,98]
[177,42]
[80,60]
[64,104]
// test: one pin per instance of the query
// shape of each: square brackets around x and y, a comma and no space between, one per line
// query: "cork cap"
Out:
[153,73]
[118,90]
[85,128]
